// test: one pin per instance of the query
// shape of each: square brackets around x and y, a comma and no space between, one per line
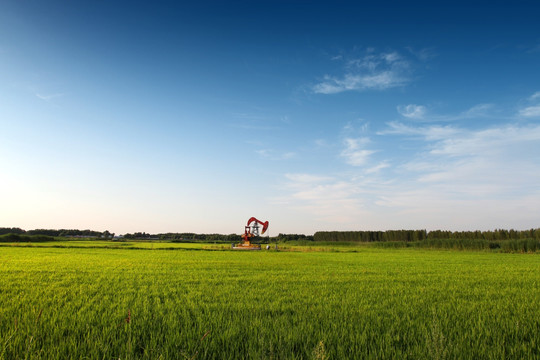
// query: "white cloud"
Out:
[420,112]
[371,72]
[434,176]
[468,167]
[480,110]
[423,54]
[378,167]
[263,152]
[530,111]
[533,109]
[430,133]
[457,179]
[48,97]
[356,126]
[412,111]
[321,143]
[275,155]
[489,141]
[327,199]
[391,58]
[354,153]
[378,81]
[535,96]
[534,49]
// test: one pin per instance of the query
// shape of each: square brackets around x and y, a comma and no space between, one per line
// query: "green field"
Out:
[94,302]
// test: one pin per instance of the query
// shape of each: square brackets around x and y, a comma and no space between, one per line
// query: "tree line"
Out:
[184,237]
[423,235]
[320,236]
[57,233]
[223,238]
[176,237]
[370,236]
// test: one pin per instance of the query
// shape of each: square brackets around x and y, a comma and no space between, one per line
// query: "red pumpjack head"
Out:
[264,224]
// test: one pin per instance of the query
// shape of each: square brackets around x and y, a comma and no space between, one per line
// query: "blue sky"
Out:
[166,117]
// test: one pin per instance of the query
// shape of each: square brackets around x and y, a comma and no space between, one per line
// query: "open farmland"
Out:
[102,303]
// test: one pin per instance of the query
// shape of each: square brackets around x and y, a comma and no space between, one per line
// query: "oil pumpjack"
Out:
[251,232]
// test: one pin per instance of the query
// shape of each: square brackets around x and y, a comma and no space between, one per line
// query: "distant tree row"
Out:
[180,237]
[292,237]
[139,235]
[18,237]
[230,238]
[420,235]
[53,232]
[5,230]
[324,236]
[186,237]
[499,234]
[370,236]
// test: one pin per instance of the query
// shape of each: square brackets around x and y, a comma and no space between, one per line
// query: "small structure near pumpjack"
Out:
[251,232]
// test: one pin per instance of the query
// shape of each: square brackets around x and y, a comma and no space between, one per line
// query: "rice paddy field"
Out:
[189,301]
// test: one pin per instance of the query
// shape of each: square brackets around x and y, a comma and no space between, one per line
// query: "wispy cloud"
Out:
[48,97]
[424,54]
[535,96]
[530,111]
[370,72]
[533,49]
[355,152]
[489,142]
[430,133]
[412,111]
[465,164]
[378,81]
[457,178]
[449,176]
[272,154]
[422,113]
[533,110]
[477,111]
[328,199]
[377,168]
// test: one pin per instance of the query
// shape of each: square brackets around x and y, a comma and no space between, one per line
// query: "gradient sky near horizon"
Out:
[194,116]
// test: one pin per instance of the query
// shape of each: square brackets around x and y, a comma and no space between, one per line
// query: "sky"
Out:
[160,117]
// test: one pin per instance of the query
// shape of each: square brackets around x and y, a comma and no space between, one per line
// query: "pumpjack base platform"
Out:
[251,247]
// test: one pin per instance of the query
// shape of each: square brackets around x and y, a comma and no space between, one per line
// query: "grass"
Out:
[104,303]
[108,244]
[525,245]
